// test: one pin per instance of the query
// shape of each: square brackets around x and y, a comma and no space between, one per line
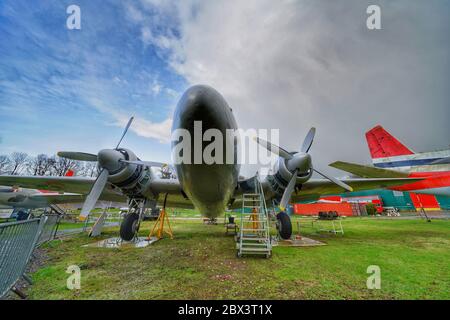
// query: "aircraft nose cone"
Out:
[202,98]
[203,104]
[109,160]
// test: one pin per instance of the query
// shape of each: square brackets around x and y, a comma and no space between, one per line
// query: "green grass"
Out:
[200,263]
[64,225]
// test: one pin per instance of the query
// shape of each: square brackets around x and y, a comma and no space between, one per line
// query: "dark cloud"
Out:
[296,64]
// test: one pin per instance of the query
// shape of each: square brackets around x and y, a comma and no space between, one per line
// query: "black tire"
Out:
[285,225]
[129,226]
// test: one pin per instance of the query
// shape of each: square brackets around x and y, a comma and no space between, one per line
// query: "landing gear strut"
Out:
[132,220]
[284,225]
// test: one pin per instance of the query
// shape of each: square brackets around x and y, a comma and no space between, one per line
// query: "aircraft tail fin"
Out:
[382,144]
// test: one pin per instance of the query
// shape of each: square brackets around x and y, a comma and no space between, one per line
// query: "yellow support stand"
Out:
[254,218]
[158,228]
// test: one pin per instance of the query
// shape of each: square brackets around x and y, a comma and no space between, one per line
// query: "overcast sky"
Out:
[280,64]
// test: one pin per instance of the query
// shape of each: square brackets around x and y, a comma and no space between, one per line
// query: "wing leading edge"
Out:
[315,188]
[367,171]
[81,186]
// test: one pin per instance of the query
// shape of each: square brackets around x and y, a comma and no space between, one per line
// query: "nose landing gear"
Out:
[132,220]
[284,225]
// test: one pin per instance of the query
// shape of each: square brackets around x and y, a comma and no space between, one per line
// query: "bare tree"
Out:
[41,165]
[62,165]
[18,161]
[4,163]
[44,165]
[89,169]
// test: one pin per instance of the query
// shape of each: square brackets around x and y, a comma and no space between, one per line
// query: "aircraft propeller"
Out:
[298,162]
[110,161]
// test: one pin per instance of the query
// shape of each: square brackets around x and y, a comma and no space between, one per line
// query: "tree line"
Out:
[20,163]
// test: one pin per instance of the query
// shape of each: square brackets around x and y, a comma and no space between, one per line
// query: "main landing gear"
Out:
[284,225]
[132,220]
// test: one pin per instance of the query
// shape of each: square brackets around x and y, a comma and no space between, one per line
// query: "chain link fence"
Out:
[17,242]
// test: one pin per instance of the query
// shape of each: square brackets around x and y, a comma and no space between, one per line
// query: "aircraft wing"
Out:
[315,188]
[176,198]
[80,185]
[367,171]
[47,199]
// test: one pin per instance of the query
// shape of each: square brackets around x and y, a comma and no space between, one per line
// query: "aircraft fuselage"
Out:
[209,186]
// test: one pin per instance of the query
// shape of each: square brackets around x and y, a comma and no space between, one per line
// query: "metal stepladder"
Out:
[254,233]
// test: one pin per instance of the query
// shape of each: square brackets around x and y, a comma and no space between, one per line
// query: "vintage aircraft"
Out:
[23,198]
[388,152]
[209,187]
[393,159]
[11,197]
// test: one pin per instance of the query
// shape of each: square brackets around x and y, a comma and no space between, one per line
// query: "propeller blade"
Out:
[144,163]
[81,156]
[125,131]
[308,140]
[273,148]
[336,181]
[288,192]
[94,194]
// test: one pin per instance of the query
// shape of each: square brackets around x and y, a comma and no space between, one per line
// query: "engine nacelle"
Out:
[126,173]
[280,179]
[132,179]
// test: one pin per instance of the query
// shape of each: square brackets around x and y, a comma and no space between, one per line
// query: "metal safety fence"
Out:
[17,242]
[49,229]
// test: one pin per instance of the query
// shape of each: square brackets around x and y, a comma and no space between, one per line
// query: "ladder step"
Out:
[247,235]
[256,249]
[262,253]
[254,239]
[252,213]
[246,229]
[253,245]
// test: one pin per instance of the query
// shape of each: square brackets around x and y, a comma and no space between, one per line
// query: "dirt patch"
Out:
[38,259]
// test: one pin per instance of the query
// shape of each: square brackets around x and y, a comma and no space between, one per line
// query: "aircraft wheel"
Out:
[284,225]
[129,226]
